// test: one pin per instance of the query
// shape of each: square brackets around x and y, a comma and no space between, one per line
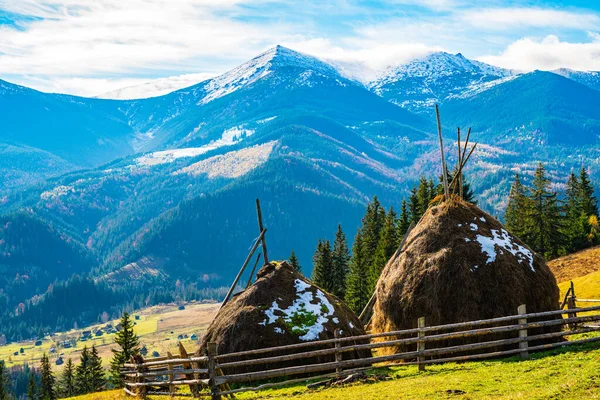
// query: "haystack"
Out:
[281,308]
[459,264]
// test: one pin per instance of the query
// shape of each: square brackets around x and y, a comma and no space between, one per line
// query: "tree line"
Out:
[553,223]
[87,377]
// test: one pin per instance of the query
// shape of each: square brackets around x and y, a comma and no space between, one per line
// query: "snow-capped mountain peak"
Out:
[440,64]
[261,66]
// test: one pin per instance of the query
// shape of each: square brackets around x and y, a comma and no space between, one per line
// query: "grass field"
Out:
[158,328]
[576,265]
[572,373]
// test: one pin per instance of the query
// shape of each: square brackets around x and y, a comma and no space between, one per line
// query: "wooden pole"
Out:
[212,353]
[260,227]
[571,304]
[239,275]
[253,270]
[523,345]
[421,344]
[338,353]
[459,162]
[444,172]
[171,376]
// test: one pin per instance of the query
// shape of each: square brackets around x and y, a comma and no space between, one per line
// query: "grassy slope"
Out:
[559,374]
[575,265]
[154,329]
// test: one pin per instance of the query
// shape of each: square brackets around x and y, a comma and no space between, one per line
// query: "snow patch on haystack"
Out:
[303,317]
[503,240]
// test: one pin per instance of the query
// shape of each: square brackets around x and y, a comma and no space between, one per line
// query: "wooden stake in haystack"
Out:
[457,180]
[259,240]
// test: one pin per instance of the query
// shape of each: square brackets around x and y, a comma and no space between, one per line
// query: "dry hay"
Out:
[459,264]
[281,308]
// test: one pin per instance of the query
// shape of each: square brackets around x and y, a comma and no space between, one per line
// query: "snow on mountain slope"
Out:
[420,83]
[588,78]
[259,67]
[156,87]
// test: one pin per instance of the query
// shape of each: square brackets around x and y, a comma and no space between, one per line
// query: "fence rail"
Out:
[212,375]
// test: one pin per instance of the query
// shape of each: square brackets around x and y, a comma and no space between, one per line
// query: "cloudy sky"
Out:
[88,47]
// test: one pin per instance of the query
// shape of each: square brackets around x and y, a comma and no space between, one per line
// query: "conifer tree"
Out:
[516,209]
[5,392]
[372,224]
[32,387]
[67,382]
[129,345]
[47,380]
[387,245]
[357,293]
[404,220]
[82,375]
[589,203]
[423,196]
[413,203]
[323,266]
[340,261]
[545,222]
[295,263]
[96,373]
[576,222]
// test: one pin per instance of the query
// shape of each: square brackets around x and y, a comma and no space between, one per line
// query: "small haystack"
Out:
[459,264]
[282,307]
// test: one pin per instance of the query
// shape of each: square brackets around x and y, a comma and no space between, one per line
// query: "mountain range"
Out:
[165,186]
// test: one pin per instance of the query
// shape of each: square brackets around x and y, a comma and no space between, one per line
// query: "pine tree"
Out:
[323,266]
[340,261]
[5,392]
[387,245]
[413,203]
[96,373]
[404,220]
[589,203]
[47,380]
[516,210]
[129,345]
[67,382]
[32,388]
[545,222]
[576,223]
[372,224]
[82,375]
[295,263]
[357,293]
[423,196]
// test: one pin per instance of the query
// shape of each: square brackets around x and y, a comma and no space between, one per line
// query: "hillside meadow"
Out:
[570,373]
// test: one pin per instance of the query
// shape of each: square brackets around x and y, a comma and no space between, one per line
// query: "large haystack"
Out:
[282,307]
[459,264]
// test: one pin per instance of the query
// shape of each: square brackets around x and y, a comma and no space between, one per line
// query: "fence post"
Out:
[523,344]
[212,370]
[171,376]
[338,353]
[571,304]
[421,344]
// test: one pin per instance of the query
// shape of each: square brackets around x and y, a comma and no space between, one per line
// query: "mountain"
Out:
[421,83]
[155,87]
[178,203]
[588,78]
[45,135]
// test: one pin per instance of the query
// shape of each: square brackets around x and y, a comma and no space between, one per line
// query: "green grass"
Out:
[569,373]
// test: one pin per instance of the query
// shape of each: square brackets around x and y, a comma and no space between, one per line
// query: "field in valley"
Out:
[158,328]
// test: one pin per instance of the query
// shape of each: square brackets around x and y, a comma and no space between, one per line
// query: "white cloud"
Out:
[547,54]
[503,18]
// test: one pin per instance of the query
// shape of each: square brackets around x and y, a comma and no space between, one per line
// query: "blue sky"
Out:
[88,47]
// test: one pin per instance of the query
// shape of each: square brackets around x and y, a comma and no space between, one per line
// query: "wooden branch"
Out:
[163,361]
[444,171]
[253,270]
[260,227]
[459,161]
[239,275]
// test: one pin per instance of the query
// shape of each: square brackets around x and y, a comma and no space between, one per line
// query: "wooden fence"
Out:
[214,375]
